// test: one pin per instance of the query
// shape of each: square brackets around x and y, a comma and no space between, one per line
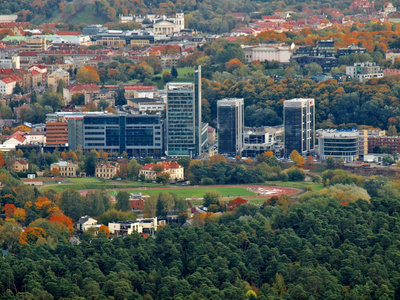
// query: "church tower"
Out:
[179,21]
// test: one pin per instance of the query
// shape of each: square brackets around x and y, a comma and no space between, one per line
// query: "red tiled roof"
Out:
[7,80]
[6,71]
[82,87]
[28,53]
[38,66]
[22,162]
[18,137]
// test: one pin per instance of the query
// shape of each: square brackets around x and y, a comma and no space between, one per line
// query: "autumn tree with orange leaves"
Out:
[87,74]
[104,231]
[63,220]
[31,234]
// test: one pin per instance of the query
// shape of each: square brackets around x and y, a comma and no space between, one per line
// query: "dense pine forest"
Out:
[317,248]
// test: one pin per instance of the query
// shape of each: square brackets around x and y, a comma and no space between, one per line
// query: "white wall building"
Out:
[144,225]
[364,71]
[338,144]
[7,85]
[161,23]
[86,222]
[10,63]
[257,140]
[36,137]
[268,52]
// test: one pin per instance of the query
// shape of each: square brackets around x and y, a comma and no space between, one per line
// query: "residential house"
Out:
[86,222]
[142,225]
[106,170]
[175,170]
[19,166]
[17,138]
[66,168]
[364,71]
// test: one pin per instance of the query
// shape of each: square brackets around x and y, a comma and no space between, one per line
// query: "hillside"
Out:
[75,13]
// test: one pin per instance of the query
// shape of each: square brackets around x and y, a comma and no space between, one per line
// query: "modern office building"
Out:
[230,126]
[338,144]
[75,133]
[299,123]
[185,133]
[257,140]
[57,134]
[138,135]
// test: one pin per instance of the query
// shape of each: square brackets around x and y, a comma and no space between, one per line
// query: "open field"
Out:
[197,192]
[184,74]
[95,183]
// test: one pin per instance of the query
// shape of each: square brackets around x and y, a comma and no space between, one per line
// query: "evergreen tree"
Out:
[174,72]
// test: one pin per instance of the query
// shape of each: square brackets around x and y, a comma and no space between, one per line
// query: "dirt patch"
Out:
[271,191]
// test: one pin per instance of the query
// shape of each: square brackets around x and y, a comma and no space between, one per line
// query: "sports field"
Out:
[197,192]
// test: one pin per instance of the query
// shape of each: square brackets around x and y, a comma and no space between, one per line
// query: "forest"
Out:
[317,248]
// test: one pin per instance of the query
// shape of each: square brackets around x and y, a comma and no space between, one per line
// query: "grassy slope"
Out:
[86,15]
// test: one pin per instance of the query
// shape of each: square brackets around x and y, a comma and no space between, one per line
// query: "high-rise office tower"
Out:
[230,126]
[299,123]
[186,134]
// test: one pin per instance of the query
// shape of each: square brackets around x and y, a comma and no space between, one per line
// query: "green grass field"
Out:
[85,180]
[184,74]
[195,192]
[95,183]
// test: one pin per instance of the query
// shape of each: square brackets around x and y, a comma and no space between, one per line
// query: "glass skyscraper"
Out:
[299,123]
[183,118]
[230,126]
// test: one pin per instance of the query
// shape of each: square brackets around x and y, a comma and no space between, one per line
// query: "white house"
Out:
[145,225]
[86,222]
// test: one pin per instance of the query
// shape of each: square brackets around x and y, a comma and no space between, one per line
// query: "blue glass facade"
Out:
[136,134]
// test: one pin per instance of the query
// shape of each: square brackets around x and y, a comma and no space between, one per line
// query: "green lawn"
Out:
[85,180]
[195,192]
[94,183]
